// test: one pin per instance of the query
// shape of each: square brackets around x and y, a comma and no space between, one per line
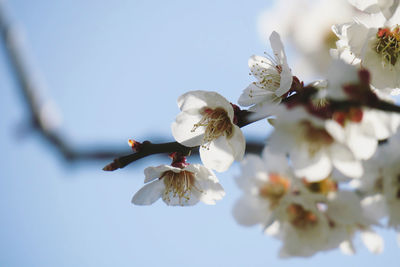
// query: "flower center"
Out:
[269,78]
[388,44]
[178,185]
[274,189]
[301,218]
[322,187]
[217,123]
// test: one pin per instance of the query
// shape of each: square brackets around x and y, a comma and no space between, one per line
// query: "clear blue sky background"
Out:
[115,70]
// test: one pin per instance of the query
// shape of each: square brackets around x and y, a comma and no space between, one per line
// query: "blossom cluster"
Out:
[330,168]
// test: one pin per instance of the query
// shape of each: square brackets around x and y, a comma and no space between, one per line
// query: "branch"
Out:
[29,88]
[147,148]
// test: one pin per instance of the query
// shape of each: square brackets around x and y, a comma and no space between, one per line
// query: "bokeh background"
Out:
[113,70]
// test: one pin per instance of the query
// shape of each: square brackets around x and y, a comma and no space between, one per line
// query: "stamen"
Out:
[322,187]
[271,77]
[179,185]
[388,44]
[217,123]
[274,189]
[301,218]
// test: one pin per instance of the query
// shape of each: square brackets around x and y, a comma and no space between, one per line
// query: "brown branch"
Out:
[148,148]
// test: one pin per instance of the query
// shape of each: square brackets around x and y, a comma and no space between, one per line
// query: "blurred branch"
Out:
[29,87]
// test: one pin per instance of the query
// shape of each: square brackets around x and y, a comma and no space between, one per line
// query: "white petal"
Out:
[335,130]
[219,155]
[149,193]
[202,172]
[388,7]
[357,34]
[372,241]
[369,6]
[152,173]
[374,207]
[347,247]
[312,167]
[279,52]
[192,102]
[237,143]
[274,230]
[182,130]
[361,145]
[275,162]
[253,95]
[250,210]
[211,191]
[345,162]
[344,208]
[253,174]
[277,46]
[207,182]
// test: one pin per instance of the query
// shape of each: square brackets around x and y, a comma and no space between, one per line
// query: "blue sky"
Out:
[115,70]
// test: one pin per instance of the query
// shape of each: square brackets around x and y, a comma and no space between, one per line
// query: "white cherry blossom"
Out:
[374,41]
[274,77]
[207,120]
[179,186]
[313,150]
[286,207]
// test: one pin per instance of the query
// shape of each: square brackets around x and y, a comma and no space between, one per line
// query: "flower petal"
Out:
[369,6]
[286,74]
[219,155]
[152,173]
[312,167]
[237,143]
[275,162]
[253,95]
[347,247]
[253,174]
[250,210]
[344,161]
[182,130]
[149,193]
[211,191]
[193,101]
[372,241]
[361,145]
[207,182]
